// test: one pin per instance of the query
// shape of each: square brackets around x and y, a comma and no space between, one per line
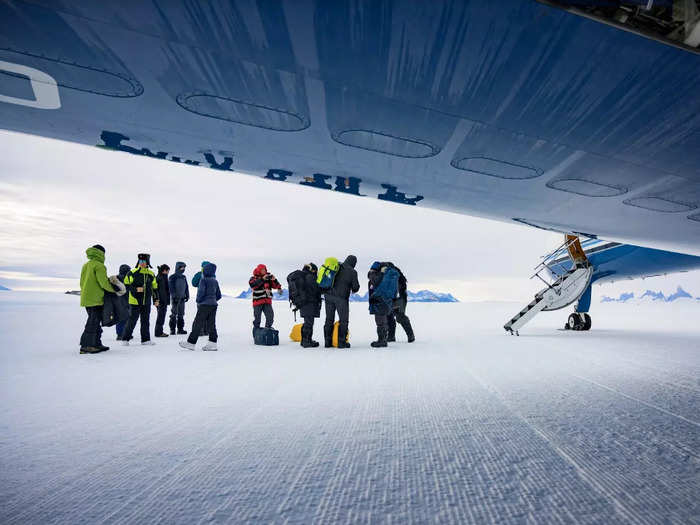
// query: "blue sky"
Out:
[57,198]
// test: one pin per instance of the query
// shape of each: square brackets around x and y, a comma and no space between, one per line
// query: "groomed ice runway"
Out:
[467,425]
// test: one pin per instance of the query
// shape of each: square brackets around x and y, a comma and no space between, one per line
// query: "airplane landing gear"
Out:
[579,322]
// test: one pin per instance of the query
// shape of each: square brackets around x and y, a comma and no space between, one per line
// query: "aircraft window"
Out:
[385,143]
[675,22]
[660,204]
[587,188]
[496,168]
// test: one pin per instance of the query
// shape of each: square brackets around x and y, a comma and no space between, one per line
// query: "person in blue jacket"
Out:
[179,295]
[383,288]
[208,296]
[195,282]
[198,276]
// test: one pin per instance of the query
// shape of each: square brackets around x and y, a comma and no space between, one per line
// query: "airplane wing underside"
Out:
[514,110]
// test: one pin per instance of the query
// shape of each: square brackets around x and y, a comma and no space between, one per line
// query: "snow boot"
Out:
[172,331]
[187,345]
[409,330]
[148,343]
[306,339]
[307,342]
[161,335]
[343,338]
[102,347]
[181,332]
[382,336]
[328,337]
[210,347]
[392,330]
[119,338]
[89,350]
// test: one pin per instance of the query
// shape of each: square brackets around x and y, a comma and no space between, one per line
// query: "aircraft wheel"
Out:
[587,323]
[574,322]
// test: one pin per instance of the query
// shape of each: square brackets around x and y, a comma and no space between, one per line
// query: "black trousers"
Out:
[136,313]
[269,315]
[382,321]
[160,320]
[307,329]
[205,319]
[92,334]
[342,306]
[177,315]
[399,314]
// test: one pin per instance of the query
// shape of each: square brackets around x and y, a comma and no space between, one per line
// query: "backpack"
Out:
[387,289]
[295,285]
[295,334]
[403,284]
[327,273]
[336,327]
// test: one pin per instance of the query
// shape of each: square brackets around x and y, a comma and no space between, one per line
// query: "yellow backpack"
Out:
[335,335]
[296,333]
[327,272]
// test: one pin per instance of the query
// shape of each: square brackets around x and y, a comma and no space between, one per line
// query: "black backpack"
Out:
[297,293]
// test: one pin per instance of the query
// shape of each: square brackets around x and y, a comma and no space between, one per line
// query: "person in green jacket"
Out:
[93,284]
[141,283]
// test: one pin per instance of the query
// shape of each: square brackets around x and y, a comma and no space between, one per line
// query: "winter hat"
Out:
[99,247]
[260,269]
[311,267]
[144,257]
[375,266]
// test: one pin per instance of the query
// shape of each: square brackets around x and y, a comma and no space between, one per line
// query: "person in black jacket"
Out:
[338,299]
[179,294]
[398,312]
[119,327]
[142,288]
[311,307]
[163,299]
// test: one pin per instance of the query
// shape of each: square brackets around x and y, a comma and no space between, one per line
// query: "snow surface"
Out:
[467,425]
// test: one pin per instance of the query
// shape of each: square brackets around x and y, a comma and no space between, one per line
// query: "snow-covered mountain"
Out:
[4,289]
[275,297]
[650,295]
[422,296]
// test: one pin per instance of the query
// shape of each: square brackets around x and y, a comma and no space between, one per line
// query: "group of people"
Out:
[126,299]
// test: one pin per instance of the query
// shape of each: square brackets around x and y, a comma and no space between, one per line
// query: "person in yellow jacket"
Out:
[141,284]
[93,284]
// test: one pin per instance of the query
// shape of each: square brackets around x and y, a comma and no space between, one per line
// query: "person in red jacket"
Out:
[262,283]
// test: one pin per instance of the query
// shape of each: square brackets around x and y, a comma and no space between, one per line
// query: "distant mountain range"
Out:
[650,295]
[423,296]
[4,289]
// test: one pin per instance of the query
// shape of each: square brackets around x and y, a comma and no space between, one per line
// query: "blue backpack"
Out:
[389,287]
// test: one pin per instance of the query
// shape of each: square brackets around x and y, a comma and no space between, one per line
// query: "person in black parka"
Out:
[119,327]
[311,308]
[338,299]
[179,295]
[398,312]
[163,298]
